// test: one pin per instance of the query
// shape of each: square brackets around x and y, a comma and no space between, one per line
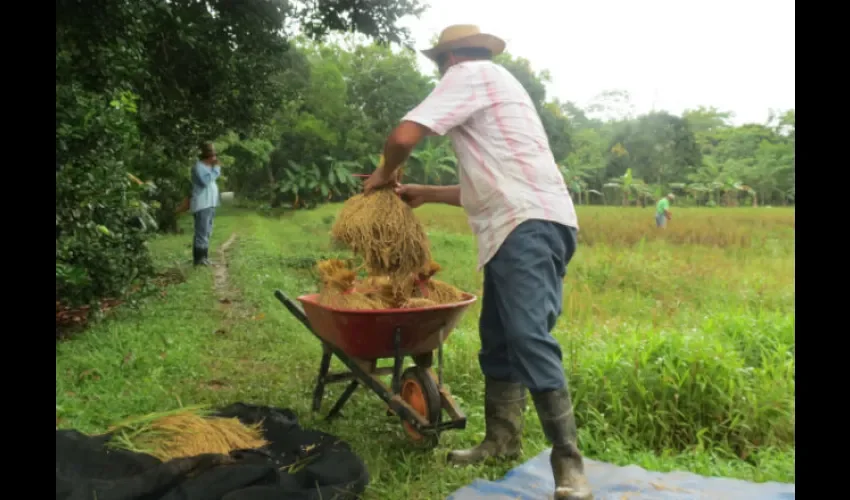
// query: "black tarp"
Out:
[326,467]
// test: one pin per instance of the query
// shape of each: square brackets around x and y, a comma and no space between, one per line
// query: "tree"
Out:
[578,117]
[383,85]
[660,146]
[140,83]
[612,105]
[703,119]
[585,164]
[102,219]
[554,120]
[772,175]
[354,94]
[758,156]
[378,19]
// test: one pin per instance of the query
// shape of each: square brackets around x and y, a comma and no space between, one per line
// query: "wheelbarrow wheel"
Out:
[419,390]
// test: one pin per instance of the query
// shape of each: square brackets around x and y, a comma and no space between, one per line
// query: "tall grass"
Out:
[675,339]
[623,227]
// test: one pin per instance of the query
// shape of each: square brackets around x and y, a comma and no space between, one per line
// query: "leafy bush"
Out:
[101,218]
[308,186]
[247,170]
[173,182]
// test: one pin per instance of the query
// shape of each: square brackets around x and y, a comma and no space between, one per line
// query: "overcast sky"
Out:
[736,55]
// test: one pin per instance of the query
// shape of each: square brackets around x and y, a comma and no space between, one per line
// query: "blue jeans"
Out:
[523,297]
[203,227]
[660,220]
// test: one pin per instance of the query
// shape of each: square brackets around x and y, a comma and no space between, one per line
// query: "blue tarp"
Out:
[533,481]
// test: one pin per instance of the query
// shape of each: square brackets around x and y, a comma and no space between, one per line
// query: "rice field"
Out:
[679,344]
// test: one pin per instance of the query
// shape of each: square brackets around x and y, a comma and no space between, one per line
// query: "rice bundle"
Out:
[437,291]
[383,229]
[417,303]
[443,293]
[338,288]
[341,289]
[185,433]
[381,289]
[393,292]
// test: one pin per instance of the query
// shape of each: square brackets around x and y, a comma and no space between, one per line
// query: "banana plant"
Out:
[709,179]
[629,186]
[576,180]
[623,184]
[731,188]
[341,182]
[642,191]
[305,186]
[435,162]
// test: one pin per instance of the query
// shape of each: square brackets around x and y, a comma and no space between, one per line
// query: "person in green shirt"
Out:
[662,210]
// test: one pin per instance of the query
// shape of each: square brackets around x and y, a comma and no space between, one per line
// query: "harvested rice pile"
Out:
[338,288]
[437,291]
[185,433]
[417,303]
[341,289]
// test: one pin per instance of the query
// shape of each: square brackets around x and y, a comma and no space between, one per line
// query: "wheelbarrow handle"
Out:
[293,307]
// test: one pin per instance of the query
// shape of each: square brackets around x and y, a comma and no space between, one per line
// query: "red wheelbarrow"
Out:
[360,338]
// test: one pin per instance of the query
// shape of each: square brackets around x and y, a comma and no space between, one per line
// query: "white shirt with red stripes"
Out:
[507,173]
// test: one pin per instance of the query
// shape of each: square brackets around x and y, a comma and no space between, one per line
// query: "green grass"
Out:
[679,345]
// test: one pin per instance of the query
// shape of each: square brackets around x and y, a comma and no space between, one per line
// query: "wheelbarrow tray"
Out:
[370,334]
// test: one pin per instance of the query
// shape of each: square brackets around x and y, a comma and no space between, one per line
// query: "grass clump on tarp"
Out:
[186,432]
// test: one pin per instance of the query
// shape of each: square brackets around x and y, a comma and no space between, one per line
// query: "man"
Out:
[525,223]
[204,201]
[662,211]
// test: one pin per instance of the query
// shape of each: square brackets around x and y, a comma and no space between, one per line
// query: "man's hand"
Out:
[380,177]
[414,195]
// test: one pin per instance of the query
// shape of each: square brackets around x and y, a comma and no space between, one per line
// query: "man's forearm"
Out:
[394,155]
[449,195]
[401,142]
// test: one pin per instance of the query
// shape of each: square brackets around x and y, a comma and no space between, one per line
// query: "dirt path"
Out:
[227,295]
[220,277]
[228,307]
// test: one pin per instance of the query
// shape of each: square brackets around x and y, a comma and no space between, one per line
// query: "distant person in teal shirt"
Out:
[662,210]
[204,201]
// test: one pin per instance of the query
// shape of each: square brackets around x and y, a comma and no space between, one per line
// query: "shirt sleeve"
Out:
[206,174]
[457,96]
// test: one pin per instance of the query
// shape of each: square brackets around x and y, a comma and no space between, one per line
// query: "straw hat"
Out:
[465,36]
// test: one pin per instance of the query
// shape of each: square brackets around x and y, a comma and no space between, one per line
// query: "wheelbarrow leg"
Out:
[398,361]
[319,392]
[440,362]
[343,399]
